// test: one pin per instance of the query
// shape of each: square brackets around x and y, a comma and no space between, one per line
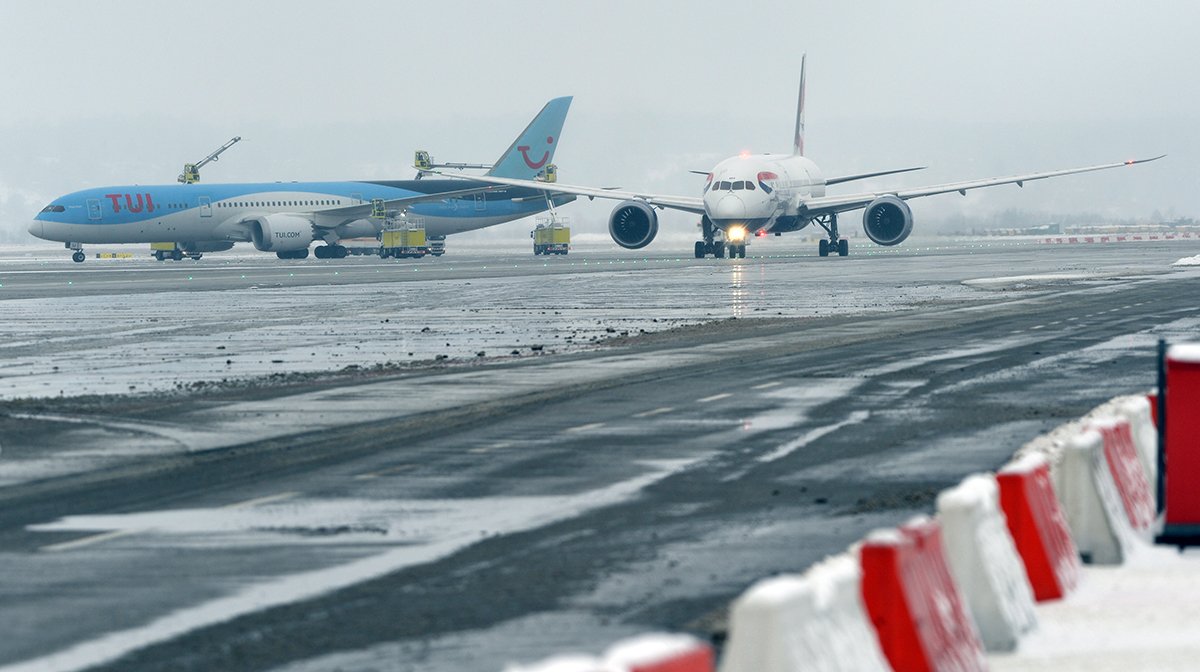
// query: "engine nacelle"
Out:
[281,233]
[887,220]
[633,224]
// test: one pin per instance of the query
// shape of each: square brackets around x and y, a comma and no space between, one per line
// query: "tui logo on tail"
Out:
[524,150]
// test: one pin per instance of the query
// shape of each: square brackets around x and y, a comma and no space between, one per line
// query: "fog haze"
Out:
[109,93]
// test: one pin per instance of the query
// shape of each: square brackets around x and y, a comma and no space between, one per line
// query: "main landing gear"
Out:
[330,252]
[835,243]
[293,254]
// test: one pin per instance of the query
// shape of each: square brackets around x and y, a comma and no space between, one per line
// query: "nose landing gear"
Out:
[835,243]
[710,245]
[79,256]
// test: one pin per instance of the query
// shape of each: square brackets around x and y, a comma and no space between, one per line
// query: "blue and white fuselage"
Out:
[301,212]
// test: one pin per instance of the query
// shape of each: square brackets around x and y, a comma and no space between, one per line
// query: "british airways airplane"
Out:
[287,217]
[775,193]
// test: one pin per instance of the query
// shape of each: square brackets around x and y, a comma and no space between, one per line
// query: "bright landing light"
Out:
[736,233]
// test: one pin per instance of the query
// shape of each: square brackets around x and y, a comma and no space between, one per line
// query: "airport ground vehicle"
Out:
[403,239]
[551,236]
[163,251]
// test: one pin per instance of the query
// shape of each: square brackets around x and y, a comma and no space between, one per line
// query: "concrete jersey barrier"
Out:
[915,604]
[811,622]
[1038,527]
[984,562]
[1092,502]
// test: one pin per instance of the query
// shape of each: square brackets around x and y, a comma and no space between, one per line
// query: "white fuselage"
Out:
[754,191]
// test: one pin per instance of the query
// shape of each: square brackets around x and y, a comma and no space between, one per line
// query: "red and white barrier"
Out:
[1038,527]
[1125,468]
[984,562]
[811,622]
[660,653]
[1092,502]
[914,603]
[1138,411]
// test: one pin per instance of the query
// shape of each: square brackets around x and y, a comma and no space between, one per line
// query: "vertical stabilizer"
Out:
[533,150]
[798,141]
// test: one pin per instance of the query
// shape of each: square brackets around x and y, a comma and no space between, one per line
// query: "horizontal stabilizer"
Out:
[863,176]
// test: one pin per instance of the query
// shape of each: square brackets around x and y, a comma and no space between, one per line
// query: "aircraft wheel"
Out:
[158,254]
[700,249]
[823,248]
[718,250]
[340,251]
[78,257]
[843,247]
[177,255]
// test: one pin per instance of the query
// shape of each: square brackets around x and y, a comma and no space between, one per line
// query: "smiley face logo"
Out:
[524,150]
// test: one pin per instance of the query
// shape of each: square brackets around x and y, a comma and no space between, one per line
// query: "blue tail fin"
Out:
[533,150]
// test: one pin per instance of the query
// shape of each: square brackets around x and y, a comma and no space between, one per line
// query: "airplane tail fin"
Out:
[533,150]
[798,141]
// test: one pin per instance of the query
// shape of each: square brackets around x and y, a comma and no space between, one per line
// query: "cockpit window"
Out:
[749,185]
[726,186]
[738,186]
[54,208]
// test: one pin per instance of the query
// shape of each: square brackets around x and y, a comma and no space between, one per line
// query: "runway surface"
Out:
[503,508]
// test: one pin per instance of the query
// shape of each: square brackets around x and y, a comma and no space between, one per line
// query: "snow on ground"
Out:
[138,343]
[1144,615]
[460,524]
[1188,261]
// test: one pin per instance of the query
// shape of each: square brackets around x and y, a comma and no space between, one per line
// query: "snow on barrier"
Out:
[1138,410]
[985,563]
[1038,527]
[914,603]
[660,653]
[1092,503]
[564,663]
[1128,474]
[811,622]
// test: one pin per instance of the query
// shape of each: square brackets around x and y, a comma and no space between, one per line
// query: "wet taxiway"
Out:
[505,508]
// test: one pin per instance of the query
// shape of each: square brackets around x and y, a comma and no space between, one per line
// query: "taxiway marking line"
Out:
[1040,326]
[766,385]
[584,428]
[715,397]
[117,534]
[261,500]
[657,411]
[87,541]
[383,472]
[485,449]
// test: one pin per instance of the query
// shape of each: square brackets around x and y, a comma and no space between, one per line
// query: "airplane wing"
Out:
[693,204]
[826,204]
[327,218]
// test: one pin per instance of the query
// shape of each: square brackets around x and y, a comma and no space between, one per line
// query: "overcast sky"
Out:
[102,93]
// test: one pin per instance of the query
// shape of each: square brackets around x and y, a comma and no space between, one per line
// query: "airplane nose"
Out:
[35,228]
[729,207]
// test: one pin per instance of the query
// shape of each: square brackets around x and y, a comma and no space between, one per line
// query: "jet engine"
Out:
[281,233]
[633,224]
[887,220]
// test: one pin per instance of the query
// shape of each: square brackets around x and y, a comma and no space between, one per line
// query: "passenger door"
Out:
[93,206]
[205,206]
